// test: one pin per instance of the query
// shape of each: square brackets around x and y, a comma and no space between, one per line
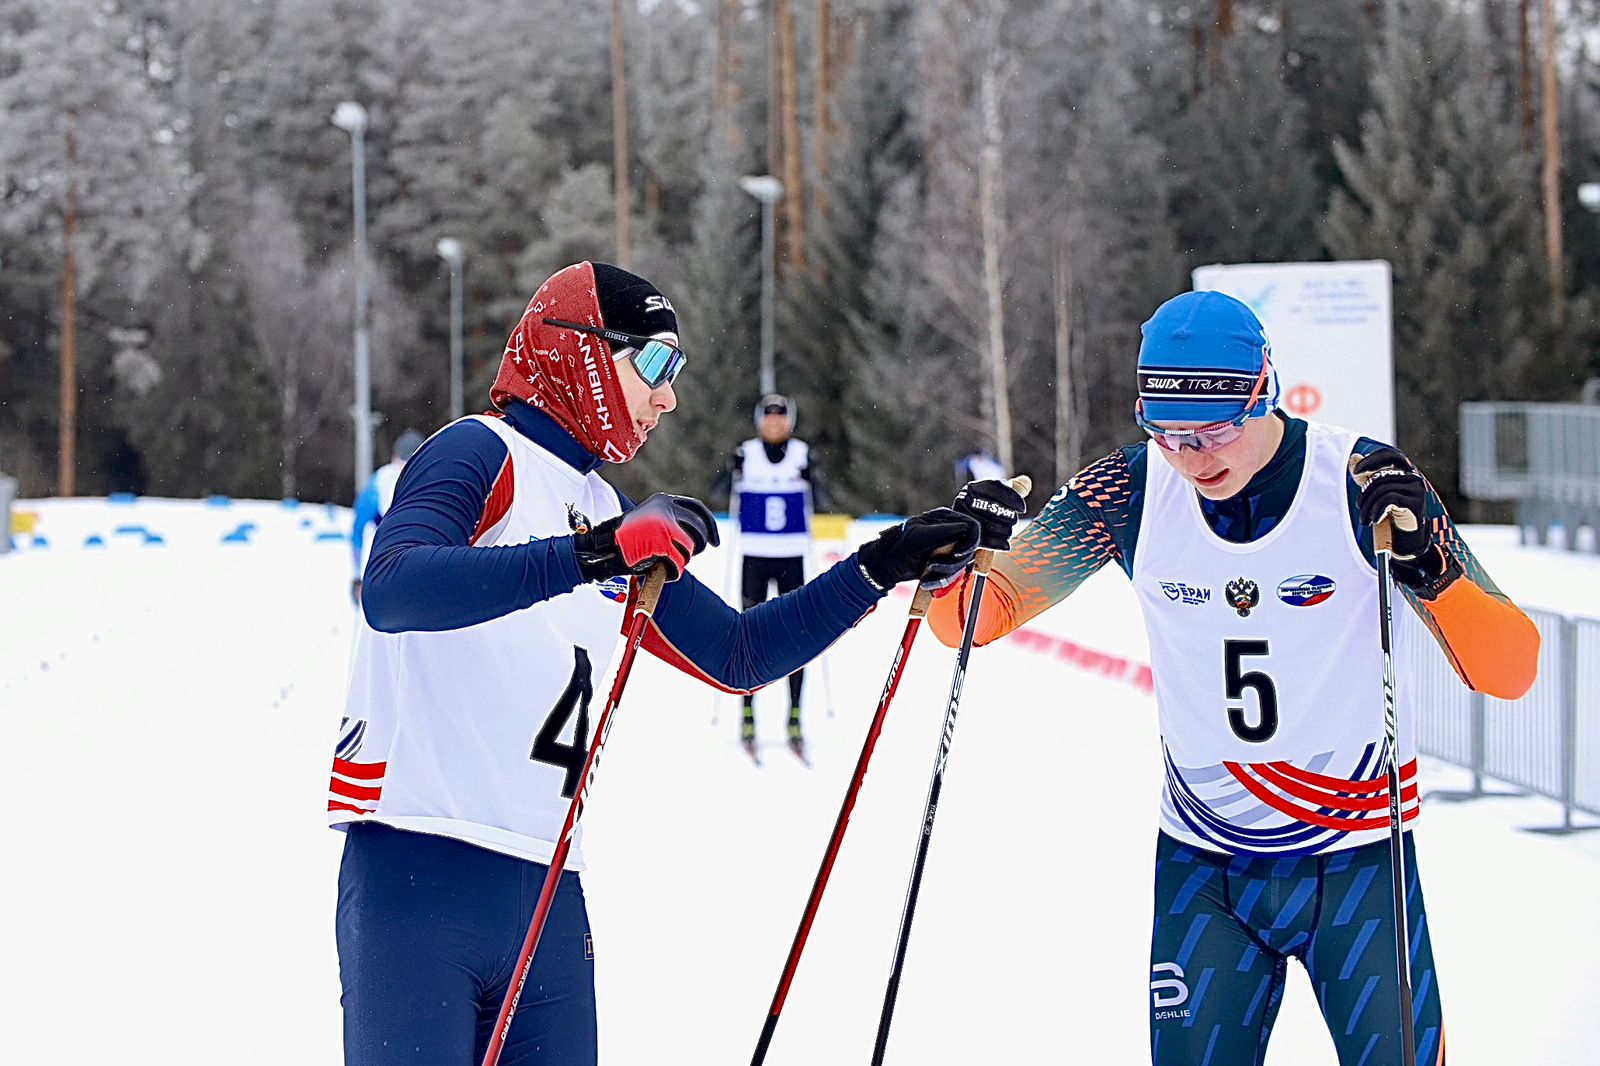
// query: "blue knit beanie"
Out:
[1201,356]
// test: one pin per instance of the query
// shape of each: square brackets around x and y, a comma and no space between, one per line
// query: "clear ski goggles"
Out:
[1209,437]
[657,362]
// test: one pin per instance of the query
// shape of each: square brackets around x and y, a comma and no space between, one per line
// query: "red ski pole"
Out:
[643,608]
[919,609]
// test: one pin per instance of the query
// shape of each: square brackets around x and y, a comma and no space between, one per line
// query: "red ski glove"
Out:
[664,529]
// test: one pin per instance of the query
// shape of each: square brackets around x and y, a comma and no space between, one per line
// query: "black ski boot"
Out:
[747,734]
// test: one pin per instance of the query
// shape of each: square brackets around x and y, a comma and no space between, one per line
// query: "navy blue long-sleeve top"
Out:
[424,575]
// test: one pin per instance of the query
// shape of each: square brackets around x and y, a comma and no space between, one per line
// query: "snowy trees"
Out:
[1442,188]
[89,168]
[966,179]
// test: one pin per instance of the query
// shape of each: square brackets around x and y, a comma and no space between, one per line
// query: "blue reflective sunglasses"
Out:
[657,362]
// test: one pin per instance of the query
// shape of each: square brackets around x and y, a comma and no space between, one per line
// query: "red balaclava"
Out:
[569,375]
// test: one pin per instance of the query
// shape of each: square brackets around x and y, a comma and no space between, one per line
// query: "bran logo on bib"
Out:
[614,589]
[1305,590]
[1181,592]
[1242,594]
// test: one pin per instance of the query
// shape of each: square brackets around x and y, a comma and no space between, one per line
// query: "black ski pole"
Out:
[1383,553]
[980,580]
[1383,549]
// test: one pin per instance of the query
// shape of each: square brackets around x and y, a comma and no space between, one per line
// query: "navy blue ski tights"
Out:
[429,930]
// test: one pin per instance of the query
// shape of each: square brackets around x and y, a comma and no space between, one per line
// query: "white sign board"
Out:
[1329,327]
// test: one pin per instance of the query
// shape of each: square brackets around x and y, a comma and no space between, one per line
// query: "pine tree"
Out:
[1441,188]
[714,282]
[1092,185]
[88,151]
[1244,186]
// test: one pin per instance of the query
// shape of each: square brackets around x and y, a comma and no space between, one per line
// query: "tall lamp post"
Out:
[452,252]
[769,191]
[352,118]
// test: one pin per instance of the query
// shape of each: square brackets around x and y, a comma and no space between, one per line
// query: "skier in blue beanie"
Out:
[1248,537]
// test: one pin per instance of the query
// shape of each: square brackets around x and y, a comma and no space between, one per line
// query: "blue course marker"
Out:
[123,497]
[218,501]
[240,534]
[94,540]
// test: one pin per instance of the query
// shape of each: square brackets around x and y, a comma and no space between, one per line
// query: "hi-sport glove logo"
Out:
[1305,590]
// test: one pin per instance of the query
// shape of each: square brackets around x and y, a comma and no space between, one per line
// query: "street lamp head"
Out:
[350,117]
[763,187]
[451,251]
[1589,195]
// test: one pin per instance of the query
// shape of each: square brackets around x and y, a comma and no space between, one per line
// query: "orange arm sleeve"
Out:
[1491,644]
[1087,523]
[998,614]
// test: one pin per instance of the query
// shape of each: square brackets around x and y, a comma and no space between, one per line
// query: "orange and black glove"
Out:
[996,506]
[1391,487]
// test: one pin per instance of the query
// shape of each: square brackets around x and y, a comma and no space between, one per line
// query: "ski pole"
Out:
[649,592]
[980,580]
[919,610]
[1383,549]
[1383,553]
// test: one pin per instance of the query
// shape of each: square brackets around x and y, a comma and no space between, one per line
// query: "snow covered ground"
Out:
[166,716]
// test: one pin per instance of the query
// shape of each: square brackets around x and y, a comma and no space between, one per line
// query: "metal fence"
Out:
[1548,742]
[1544,456]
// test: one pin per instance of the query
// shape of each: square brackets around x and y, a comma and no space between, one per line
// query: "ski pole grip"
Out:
[1383,535]
[1022,484]
[655,579]
[1383,531]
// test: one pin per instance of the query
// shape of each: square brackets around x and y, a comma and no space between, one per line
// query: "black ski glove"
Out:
[663,529]
[906,551]
[1391,485]
[996,506]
